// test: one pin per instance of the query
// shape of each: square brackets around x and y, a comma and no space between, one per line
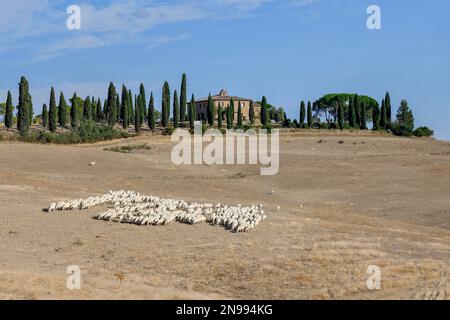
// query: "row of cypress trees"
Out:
[356,116]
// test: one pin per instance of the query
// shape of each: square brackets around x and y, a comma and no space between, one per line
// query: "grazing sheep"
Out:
[131,207]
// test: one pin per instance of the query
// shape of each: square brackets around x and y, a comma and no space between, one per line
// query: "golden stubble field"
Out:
[346,202]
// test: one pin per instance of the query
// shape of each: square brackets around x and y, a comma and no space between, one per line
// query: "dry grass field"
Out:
[347,202]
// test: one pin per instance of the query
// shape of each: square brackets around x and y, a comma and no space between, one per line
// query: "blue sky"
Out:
[288,50]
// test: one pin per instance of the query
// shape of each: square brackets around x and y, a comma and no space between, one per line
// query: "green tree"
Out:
[130,106]
[309,115]
[183,99]
[100,115]
[143,103]
[24,107]
[362,115]
[251,113]
[176,110]
[9,118]
[165,105]
[219,116]
[387,102]
[376,117]
[341,116]
[229,118]
[111,105]
[383,119]
[62,110]
[302,114]
[124,108]
[137,116]
[151,113]
[239,119]
[404,123]
[74,113]
[351,112]
[210,111]
[232,110]
[264,114]
[192,112]
[87,109]
[45,117]
[357,106]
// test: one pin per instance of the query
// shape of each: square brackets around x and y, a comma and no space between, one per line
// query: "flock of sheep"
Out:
[134,208]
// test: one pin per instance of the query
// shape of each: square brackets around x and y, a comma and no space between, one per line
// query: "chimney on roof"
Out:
[223,93]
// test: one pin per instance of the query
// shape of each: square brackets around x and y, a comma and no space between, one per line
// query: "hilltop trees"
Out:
[376,117]
[341,116]
[44,116]
[165,105]
[143,115]
[383,116]
[176,110]
[111,105]
[192,112]
[404,123]
[210,111]
[356,105]
[100,115]
[264,115]
[387,101]
[137,116]
[251,113]
[239,119]
[302,114]
[24,108]
[62,110]
[309,115]
[219,116]
[87,109]
[74,113]
[183,99]
[9,112]
[151,113]
[124,108]
[351,112]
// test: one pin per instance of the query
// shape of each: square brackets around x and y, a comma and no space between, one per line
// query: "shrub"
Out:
[168,131]
[423,132]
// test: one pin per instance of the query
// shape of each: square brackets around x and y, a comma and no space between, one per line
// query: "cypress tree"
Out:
[183,99]
[341,116]
[94,109]
[309,115]
[143,102]
[239,120]
[9,112]
[74,113]
[100,115]
[117,108]
[357,107]
[219,116]
[229,118]
[87,109]
[210,111]
[192,112]
[151,113]
[363,110]
[302,114]
[124,108]
[176,110]
[264,114]
[251,113]
[351,112]
[232,110]
[165,114]
[130,107]
[376,117]
[45,117]
[111,105]
[24,107]
[387,102]
[383,119]
[62,110]
[137,116]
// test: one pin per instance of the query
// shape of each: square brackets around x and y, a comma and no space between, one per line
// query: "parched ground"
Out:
[347,202]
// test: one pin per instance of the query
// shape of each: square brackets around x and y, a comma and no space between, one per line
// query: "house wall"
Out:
[201,109]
